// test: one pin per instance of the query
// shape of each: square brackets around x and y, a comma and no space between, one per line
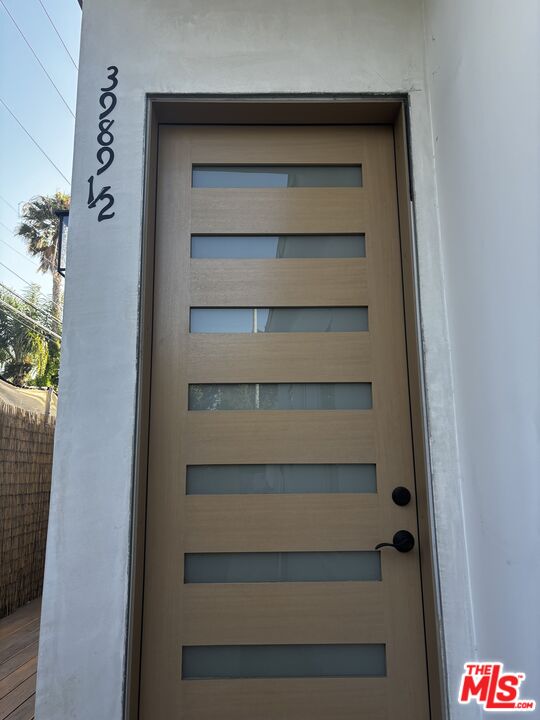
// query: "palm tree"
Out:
[39,228]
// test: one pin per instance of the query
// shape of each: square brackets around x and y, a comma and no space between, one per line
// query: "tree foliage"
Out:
[27,355]
[39,229]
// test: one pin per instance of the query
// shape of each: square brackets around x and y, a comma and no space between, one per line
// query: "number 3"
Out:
[112,77]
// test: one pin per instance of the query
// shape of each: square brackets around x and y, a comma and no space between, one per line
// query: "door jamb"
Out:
[274,110]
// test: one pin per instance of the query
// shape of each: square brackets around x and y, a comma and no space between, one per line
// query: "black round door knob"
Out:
[401,495]
[403,542]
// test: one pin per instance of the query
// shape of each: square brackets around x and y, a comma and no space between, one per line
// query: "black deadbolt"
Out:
[401,495]
[403,541]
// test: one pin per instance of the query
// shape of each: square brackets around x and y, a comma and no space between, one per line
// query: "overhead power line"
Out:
[46,313]
[33,328]
[19,123]
[9,205]
[30,284]
[59,36]
[34,263]
[29,319]
[62,98]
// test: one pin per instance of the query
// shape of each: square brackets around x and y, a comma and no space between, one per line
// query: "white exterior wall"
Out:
[484,70]
[258,46]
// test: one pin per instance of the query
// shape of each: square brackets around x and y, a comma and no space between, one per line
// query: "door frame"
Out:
[348,109]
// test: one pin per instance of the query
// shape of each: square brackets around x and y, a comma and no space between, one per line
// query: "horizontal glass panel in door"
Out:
[252,567]
[268,320]
[276,176]
[268,479]
[277,246]
[280,396]
[282,661]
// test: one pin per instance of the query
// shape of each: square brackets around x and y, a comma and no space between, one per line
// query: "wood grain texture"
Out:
[302,699]
[337,145]
[15,678]
[278,211]
[19,658]
[279,283]
[260,523]
[18,662]
[276,613]
[279,357]
[17,620]
[285,436]
[177,524]
[17,697]
[17,641]
[25,711]
[406,665]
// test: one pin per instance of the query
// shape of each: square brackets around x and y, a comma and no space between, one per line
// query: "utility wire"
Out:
[3,224]
[32,328]
[34,263]
[19,123]
[9,205]
[62,98]
[35,307]
[29,319]
[59,36]
[30,284]
[30,324]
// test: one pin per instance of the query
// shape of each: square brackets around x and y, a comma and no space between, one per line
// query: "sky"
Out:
[25,88]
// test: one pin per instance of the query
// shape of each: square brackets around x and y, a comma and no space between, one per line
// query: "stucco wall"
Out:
[205,46]
[484,72]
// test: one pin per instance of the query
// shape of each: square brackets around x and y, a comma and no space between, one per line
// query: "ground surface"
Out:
[19,634]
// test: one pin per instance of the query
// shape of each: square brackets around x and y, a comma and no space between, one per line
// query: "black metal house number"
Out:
[105,153]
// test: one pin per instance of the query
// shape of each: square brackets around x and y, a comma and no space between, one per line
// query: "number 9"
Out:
[105,163]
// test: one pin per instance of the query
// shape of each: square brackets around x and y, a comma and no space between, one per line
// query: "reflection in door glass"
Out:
[312,319]
[280,396]
[266,479]
[276,176]
[273,320]
[278,246]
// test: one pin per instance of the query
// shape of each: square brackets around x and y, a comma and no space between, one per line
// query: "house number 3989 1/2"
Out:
[103,198]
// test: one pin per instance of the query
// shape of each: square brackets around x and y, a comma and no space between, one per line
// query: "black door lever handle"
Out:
[403,541]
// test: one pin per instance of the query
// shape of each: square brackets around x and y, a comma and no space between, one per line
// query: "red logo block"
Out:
[490,686]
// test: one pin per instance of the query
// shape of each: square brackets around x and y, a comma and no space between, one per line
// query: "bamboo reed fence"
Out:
[26,450]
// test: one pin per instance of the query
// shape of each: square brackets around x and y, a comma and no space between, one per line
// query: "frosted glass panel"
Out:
[268,479]
[281,396]
[276,176]
[246,320]
[278,246]
[282,661]
[312,319]
[282,567]
[231,320]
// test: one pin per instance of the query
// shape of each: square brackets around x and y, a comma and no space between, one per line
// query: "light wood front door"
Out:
[279,428]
